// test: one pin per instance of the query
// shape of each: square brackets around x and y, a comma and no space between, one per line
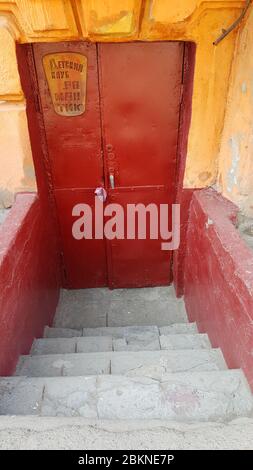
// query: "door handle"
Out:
[112,182]
[101,193]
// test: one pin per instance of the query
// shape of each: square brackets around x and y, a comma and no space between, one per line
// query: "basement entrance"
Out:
[111,118]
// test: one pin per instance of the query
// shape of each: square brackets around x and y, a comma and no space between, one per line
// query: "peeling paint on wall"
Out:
[234,144]
[17,170]
[244,87]
[120,20]
[236,151]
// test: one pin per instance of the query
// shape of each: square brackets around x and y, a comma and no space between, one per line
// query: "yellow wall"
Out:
[236,153]
[16,165]
[128,20]
[17,173]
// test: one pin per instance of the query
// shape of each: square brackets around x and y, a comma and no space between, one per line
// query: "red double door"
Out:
[126,136]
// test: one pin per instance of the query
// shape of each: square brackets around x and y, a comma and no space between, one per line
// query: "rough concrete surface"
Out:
[88,308]
[61,333]
[72,345]
[182,397]
[245,226]
[105,378]
[78,433]
[121,362]
[3,215]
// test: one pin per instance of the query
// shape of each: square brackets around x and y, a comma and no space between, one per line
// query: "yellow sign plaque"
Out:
[66,74]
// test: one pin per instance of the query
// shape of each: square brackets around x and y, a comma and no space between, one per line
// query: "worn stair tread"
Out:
[157,363]
[71,432]
[147,313]
[146,341]
[71,345]
[179,328]
[52,332]
[149,363]
[119,332]
[185,341]
[89,308]
[20,395]
[125,354]
[183,397]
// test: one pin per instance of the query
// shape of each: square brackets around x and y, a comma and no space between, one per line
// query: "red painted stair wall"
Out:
[219,279]
[29,278]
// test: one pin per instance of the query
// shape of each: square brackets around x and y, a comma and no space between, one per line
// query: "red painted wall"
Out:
[184,195]
[219,279]
[29,278]
[184,198]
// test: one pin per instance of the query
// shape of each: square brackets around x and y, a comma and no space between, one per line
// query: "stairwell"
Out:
[127,354]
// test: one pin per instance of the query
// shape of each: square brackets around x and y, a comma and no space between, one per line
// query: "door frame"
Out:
[27,71]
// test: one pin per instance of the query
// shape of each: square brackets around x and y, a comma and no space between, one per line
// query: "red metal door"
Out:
[131,116]
[140,94]
[75,160]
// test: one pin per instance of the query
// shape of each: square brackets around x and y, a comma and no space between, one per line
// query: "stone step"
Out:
[199,341]
[71,345]
[155,364]
[144,342]
[120,332]
[61,332]
[179,328]
[71,432]
[89,308]
[181,397]
[150,363]
[129,338]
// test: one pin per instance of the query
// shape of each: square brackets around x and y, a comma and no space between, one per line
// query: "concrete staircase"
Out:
[125,355]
